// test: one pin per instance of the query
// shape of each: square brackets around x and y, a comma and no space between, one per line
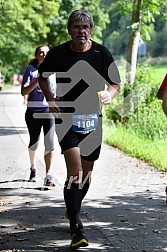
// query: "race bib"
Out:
[85,123]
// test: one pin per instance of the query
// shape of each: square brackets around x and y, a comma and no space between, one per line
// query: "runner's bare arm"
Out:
[29,88]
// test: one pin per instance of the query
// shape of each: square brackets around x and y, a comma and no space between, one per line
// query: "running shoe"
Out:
[78,238]
[49,181]
[33,176]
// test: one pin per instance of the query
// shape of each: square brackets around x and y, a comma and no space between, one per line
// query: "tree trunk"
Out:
[134,38]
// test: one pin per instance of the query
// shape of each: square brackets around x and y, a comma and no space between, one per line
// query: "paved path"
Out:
[124,209]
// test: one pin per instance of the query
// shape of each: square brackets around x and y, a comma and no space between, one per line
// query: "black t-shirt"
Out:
[87,73]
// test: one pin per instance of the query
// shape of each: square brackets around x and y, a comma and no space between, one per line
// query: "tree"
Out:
[134,38]
[143,13]
[26,24]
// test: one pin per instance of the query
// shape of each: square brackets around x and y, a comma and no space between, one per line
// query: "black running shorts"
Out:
[89,144]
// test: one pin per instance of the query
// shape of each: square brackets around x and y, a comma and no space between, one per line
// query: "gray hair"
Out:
[80,15]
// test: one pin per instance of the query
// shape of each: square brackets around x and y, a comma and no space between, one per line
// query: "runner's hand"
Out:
[54,109]
[105,97]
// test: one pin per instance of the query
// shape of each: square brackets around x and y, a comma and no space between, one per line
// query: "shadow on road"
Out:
[6,130]
[33,220]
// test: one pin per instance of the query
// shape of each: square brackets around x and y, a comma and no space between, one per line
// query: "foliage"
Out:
[159,38]
[58,32]
[147,119]
[116,37]
[133,92]
[149,10]
[142,13]
[23,25]
[26,24]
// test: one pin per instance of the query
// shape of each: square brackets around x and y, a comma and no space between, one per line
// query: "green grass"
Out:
[153,152]
[158,72]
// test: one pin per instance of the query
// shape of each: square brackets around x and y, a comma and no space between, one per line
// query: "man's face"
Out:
[80,32]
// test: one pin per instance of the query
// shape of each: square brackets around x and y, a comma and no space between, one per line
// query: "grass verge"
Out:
[153,152]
